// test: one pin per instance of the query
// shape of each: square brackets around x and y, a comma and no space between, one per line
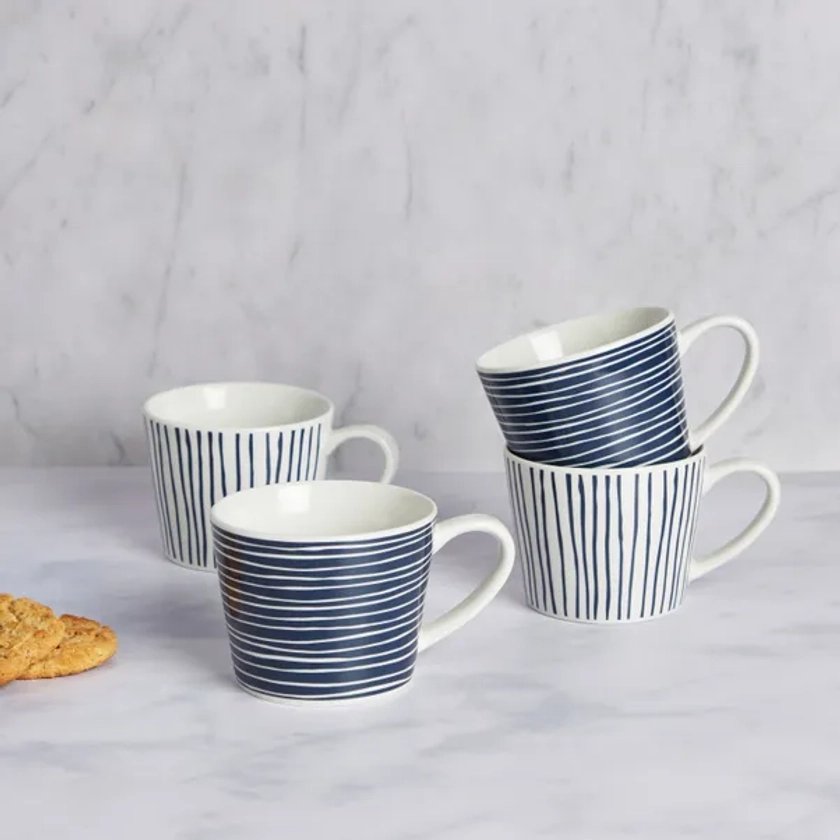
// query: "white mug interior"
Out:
[323,510]
[573,339]
[237,405]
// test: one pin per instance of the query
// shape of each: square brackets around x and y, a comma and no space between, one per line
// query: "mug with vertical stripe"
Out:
[616,545]
[323,585]
[606,390]
[209,440]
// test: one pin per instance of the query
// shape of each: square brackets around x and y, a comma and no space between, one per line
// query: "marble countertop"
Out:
[720,721]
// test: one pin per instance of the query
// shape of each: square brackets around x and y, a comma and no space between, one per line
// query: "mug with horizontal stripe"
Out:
[616,545]
[323,585]
[607,390]
[209,440]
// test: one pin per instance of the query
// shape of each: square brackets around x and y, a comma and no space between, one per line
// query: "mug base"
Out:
[604,622]
[325,704]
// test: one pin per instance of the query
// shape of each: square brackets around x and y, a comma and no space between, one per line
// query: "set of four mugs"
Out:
[323,582]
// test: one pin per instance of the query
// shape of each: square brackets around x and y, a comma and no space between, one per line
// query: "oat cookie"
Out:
[29,631]
[86,644]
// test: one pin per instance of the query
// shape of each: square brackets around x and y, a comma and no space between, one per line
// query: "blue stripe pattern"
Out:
[601,546]
[192,470]
[620,408]
[331,620]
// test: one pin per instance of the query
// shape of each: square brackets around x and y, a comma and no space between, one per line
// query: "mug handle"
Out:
[488,589]
[386,441]
[761,520]
[687,337]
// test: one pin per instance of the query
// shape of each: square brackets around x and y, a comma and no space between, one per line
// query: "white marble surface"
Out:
[719,721]
[361,197]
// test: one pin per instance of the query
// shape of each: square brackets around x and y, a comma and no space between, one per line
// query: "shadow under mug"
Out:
[607,390]
[323,585]
[209,440]
[615,545]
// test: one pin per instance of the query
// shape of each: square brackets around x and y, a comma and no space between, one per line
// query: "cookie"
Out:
[29,631]
[86,644]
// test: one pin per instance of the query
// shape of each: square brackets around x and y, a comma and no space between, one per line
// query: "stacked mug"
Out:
[604,475]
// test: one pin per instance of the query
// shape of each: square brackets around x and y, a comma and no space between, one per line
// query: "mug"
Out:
[323,585]
[209,440]
[615,545]
[606,391]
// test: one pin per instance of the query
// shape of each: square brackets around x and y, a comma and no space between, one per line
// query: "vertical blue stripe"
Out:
[238,463]
[174,494]
[222,466]
[560,547]
[309,473]
[697,491]
[537,537]
[647,541]
[514,506]
[687,536]
[671,554]
[156,482]
[529,550]
[211,469]
[167,516]
[582,499]
[679,543]
[510,469]
[607,516]
[167,490]
[189,556]
[629,612]
[279,457]
[317,451]
[545,544]
[194,507]
[300,454]
[662,526]
[251,465]
[595,575]
[203,558]
[291,456]
[572,519]
[267,458]
[619,500]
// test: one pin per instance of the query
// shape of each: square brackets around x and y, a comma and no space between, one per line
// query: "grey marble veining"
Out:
[362,197]
[719,721]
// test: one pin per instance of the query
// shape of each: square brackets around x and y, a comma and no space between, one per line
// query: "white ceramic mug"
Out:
[209,440]
[616,545]
[607,390]
[323,585]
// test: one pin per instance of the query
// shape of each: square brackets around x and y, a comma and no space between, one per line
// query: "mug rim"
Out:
[220,515]
[151,413]
[699,454]
[664,317]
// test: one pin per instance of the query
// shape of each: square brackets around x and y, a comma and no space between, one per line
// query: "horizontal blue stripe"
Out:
[592,360]
[633,371]
[317,596]
[301,554]
[354,643]
[277,688]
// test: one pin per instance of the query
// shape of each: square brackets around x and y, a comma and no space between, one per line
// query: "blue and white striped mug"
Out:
[323,585]
[607,390]
[615,545]
[209,440]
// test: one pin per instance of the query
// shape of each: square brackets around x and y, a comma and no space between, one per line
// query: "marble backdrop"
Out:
[363,196]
